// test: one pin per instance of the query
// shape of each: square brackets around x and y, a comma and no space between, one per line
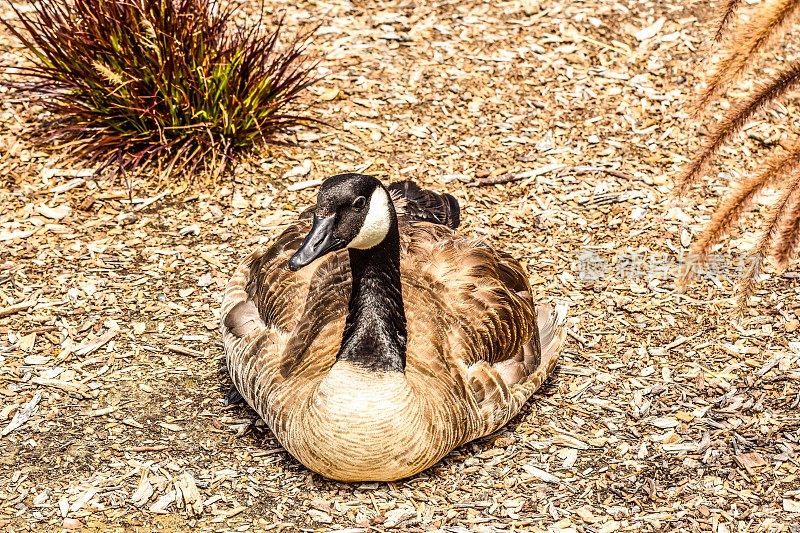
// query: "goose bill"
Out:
[319,241]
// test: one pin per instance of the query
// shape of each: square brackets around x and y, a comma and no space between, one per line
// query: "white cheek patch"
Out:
[377,222]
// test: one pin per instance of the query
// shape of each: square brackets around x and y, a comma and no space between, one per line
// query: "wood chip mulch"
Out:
[559,126]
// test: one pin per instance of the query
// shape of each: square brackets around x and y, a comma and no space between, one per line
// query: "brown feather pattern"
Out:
[478,348]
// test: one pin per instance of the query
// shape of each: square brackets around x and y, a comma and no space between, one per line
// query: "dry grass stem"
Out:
[787,235]
[728,13]
[730,211]
[782,228]
[745,42]
[735,119]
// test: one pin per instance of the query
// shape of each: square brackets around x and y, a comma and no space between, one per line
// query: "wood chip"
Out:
[540,474]
[66,386]
[184,350]
[96,343]
[54,213]
[16,308]
[23,415]
[749,461]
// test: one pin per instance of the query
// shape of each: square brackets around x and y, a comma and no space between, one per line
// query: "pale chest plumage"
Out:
[359,425]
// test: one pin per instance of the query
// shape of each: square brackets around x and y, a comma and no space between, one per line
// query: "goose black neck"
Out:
[375,330]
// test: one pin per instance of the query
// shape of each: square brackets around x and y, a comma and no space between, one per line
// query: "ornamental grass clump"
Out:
[170,83]
[739,46]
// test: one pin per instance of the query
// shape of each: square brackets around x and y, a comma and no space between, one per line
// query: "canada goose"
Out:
[434,343]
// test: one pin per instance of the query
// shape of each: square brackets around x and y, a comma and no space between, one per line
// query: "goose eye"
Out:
[359,203]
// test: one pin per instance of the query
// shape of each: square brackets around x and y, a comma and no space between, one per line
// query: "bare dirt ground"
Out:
[664,415]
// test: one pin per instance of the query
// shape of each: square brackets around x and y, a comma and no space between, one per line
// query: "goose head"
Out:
[353,211]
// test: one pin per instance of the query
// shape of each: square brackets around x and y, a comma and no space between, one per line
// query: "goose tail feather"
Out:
[424,205]
[551,321]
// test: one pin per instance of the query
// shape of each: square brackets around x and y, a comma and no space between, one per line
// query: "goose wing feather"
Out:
[487,318]
[470,312]
[278,324]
